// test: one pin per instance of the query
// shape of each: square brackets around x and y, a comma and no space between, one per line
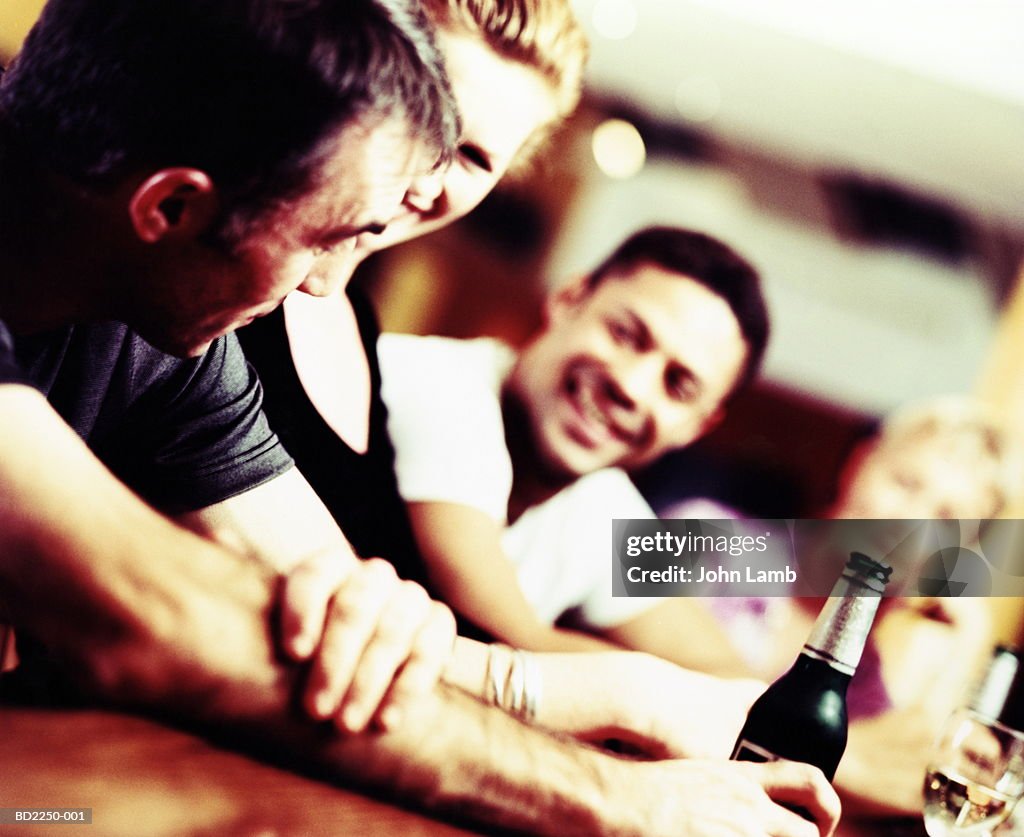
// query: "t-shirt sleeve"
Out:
[607,495]
[445,423]
[562,549]
[206,435]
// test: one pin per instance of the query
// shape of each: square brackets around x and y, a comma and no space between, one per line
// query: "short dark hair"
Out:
[714,265]
[245,90]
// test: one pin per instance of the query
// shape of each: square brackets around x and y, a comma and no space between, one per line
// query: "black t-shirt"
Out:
[359,489]
[183,434]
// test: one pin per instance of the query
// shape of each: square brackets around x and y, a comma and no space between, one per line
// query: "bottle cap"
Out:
[874,574]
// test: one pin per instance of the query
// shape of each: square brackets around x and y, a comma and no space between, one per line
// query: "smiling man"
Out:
[512,466]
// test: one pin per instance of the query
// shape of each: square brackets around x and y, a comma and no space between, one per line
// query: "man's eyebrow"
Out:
[639,325]
[441,163]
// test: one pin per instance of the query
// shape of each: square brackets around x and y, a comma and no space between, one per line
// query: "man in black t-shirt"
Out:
[168,172]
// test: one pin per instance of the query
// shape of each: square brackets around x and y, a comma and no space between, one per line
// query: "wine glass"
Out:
[975,777]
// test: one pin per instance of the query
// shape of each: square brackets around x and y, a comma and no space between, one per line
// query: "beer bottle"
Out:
[802,715]
[999,694]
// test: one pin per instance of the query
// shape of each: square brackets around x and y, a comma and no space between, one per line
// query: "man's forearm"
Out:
[135,606]
[146,614]
[451,754]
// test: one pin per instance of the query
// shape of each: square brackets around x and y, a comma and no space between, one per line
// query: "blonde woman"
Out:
[934,459]
[516,70]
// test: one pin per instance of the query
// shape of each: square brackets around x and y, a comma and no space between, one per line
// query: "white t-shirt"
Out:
[444,418]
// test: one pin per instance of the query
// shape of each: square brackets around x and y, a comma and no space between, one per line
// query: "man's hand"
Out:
[375,641]
[658,708]
[697,715]
[709,799]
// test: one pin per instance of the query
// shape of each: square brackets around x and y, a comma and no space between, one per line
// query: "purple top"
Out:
[748,622]
[752,622]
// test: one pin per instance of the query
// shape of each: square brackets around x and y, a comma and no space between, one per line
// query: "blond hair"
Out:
[541,34]
[968,428]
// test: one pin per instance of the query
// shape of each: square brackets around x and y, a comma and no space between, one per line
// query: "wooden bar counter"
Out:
[142,778]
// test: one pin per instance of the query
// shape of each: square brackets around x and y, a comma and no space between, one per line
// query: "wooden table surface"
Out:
[142,778]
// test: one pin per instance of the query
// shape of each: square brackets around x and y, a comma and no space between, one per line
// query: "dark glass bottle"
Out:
[802,715]
[999,694]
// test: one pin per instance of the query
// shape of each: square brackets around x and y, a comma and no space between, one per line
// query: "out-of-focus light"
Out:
[614,19]
[698,98]
[618,148]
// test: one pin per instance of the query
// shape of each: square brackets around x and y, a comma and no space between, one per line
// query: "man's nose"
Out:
[633,382]
[425,189]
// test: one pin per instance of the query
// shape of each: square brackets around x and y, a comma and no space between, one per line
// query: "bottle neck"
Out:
[842,627]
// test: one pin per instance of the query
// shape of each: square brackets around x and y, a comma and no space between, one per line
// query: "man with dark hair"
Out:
[169,171]
[131,218]
[215,121]
[709,262]
[276,81]
[512,463]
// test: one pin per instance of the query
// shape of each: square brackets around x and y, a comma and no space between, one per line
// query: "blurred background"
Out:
[868,158]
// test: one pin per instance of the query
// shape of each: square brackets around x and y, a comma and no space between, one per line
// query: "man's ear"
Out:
[178,202]
[566,299]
